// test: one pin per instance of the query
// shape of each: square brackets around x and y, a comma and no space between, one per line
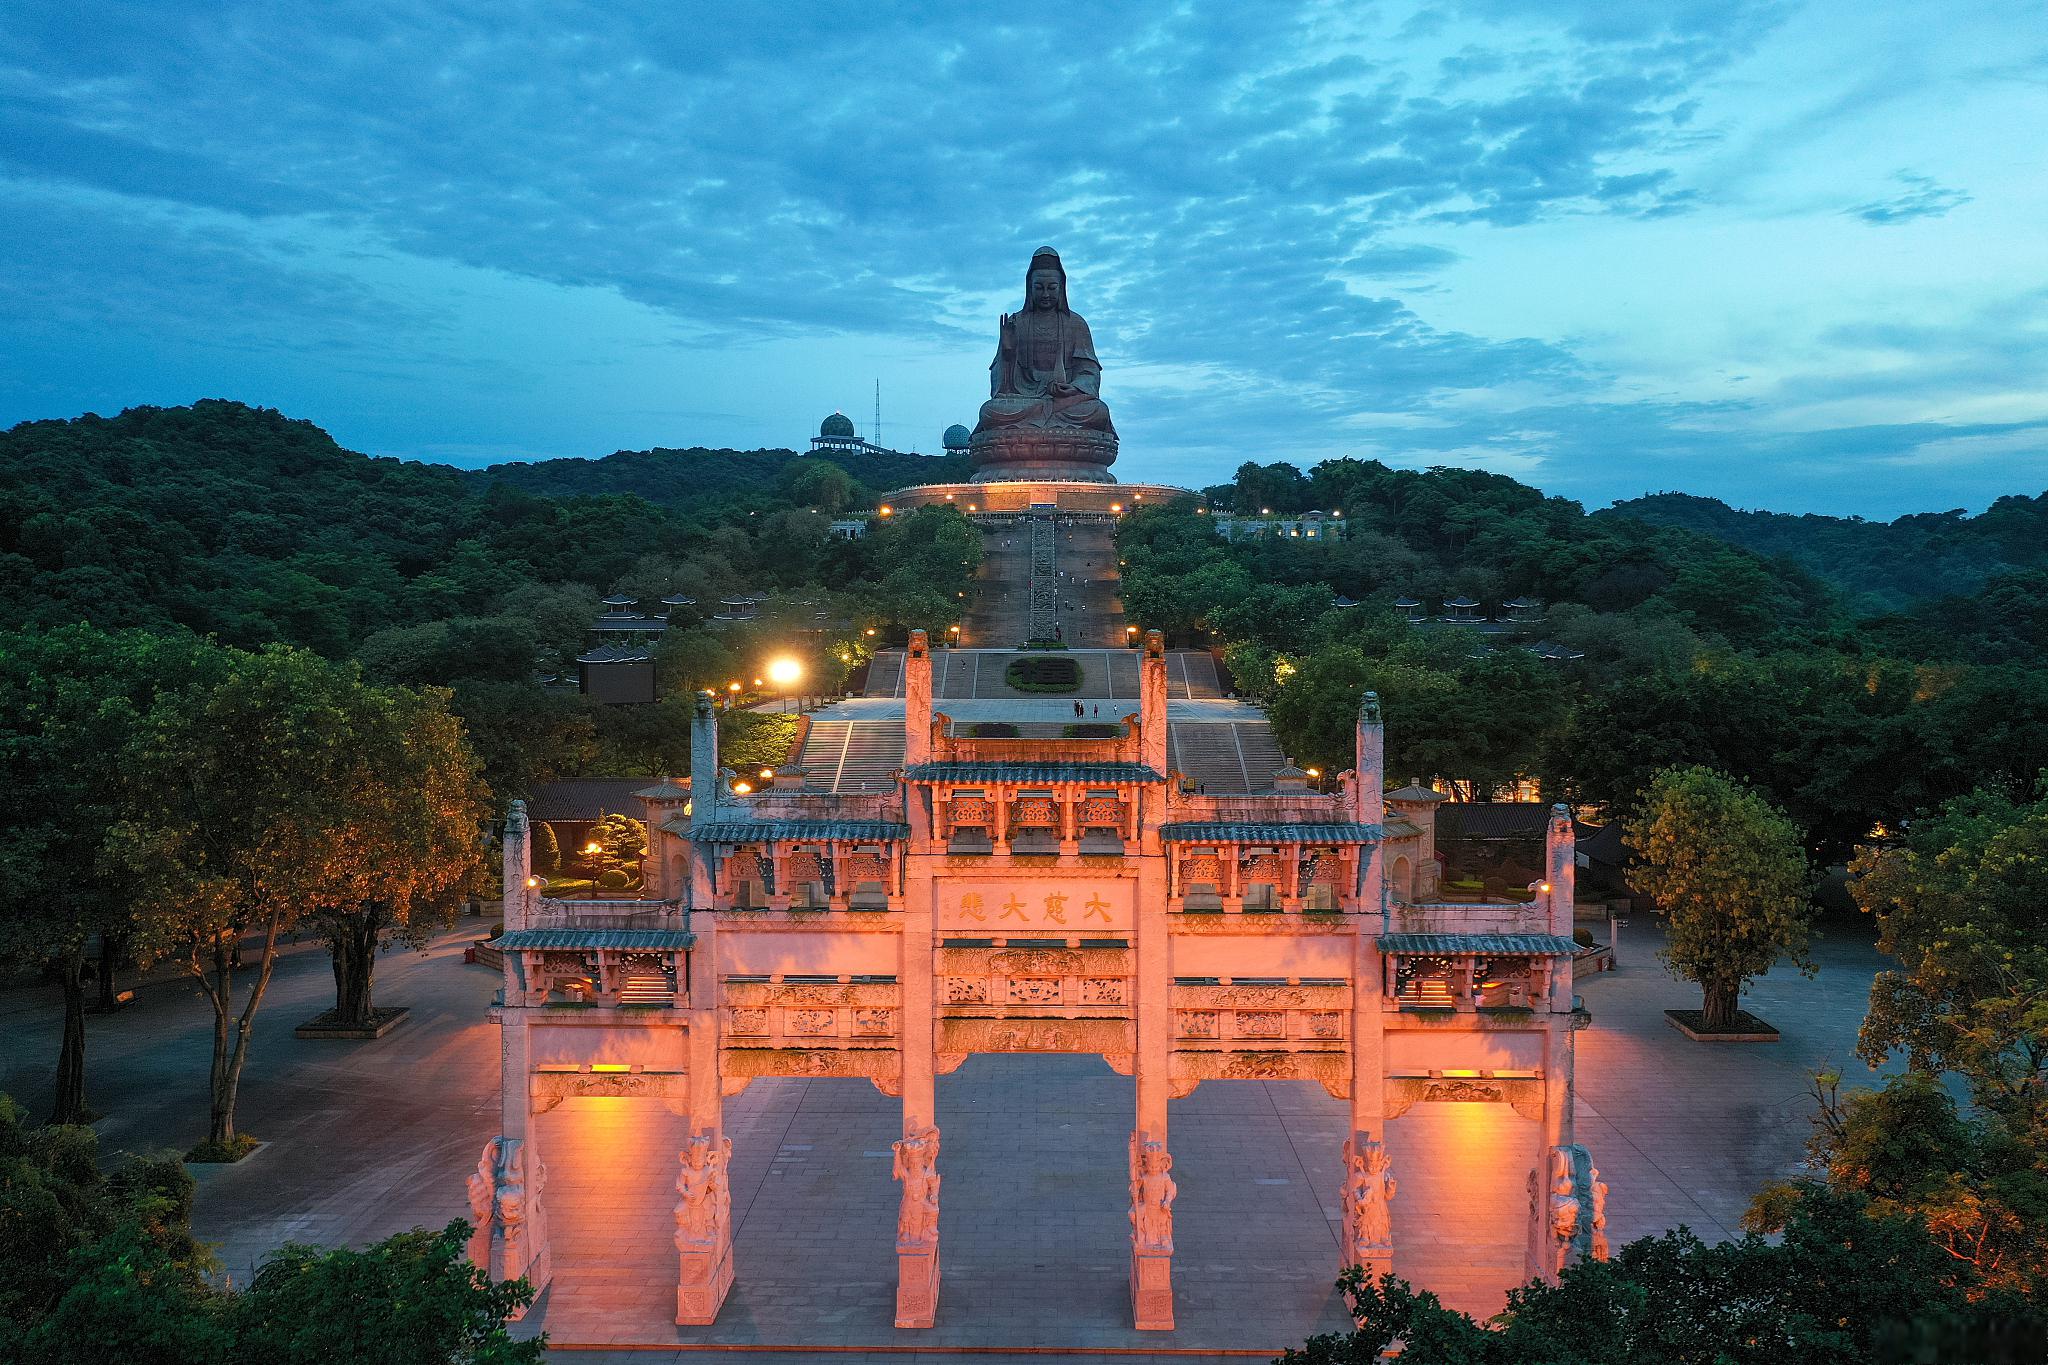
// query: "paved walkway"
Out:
[371,1138]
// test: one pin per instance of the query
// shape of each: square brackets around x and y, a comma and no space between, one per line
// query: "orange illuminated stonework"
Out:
[1034,895]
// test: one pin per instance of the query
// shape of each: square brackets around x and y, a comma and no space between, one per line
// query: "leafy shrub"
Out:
[1047,674]
[612,879]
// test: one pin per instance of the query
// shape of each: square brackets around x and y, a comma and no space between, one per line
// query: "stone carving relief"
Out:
[916,1165]
[963,1036]
[704,1203]
[1103,990]
[1568,1211]
[1404,1092]
[483,1198]
[1035,990]
[966,990]
[1261,1024]
[520,1177]
[874,1021]
[1326,1024]
[1563,1207]
[1152,1192]
[1599,1215]
[1368,1189]
[743,1064]
[810,993]
[1331,1070]
[809,1021]
[748,1020]
[1035,962]
[1198,1023]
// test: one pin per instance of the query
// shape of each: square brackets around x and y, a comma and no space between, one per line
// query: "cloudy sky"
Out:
[1788,254]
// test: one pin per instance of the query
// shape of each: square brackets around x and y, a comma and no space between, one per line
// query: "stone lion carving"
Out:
[1564,1205]
[1599,1216]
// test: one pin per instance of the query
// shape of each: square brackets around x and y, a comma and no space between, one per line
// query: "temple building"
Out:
[958,863]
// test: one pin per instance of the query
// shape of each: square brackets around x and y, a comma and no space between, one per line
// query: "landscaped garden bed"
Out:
[1747,1028]
[328,1024]
[1043,673]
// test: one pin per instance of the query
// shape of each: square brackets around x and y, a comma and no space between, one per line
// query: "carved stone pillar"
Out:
[1069,800]
[1231,856]
[703,1227]
[1568,1211]
[519,1240]
[1152,1188]
[703,1210]
[917,1155]
[917,1226]
[999,820]
[1152,1193]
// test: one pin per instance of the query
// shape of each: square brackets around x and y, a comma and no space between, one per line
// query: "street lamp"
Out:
[784,672]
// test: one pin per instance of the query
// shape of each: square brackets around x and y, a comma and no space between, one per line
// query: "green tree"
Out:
[412,1299]
[621,841]
[69,704]
[1845,1284]
[97,1265]
[1979,1186]
[410,824]
[1730,877]
[547,848]
[237,789]
[1962,904]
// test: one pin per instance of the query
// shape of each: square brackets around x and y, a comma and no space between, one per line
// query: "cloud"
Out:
[1922,198]
[1274,198]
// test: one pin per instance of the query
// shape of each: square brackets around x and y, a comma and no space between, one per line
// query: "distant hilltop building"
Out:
[836,436]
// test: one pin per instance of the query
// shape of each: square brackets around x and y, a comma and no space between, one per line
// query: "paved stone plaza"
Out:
[369,1138]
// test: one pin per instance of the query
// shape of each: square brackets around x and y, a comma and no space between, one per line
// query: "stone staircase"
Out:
[647,990]
[885,674]
[1224,757]
[874,751]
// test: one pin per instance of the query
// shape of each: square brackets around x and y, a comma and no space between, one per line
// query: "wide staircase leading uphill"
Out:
[885,674]
[1193,675]
[873,754]
[852,755]
[1222,757]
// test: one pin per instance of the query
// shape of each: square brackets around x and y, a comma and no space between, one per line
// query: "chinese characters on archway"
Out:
[1000,910]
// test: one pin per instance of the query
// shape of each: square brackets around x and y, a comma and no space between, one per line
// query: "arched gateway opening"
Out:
[1183,1032]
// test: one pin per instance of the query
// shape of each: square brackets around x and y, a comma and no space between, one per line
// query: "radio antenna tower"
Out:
[878,413]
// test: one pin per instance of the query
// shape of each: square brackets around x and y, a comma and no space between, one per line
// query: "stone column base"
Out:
[705,1280]
[917,1286]
[1152,1290]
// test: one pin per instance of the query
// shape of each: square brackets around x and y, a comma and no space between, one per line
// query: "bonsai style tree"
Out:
[1730,876]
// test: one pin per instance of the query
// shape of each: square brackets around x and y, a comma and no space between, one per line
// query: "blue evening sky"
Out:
[1787,254]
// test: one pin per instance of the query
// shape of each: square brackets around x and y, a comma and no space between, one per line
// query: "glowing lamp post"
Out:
[785,673]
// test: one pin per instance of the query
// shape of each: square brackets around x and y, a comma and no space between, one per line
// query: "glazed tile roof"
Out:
[668,789]
[1031,772]
[812,831]
[1537,945]
[517,939]
[1247,831]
